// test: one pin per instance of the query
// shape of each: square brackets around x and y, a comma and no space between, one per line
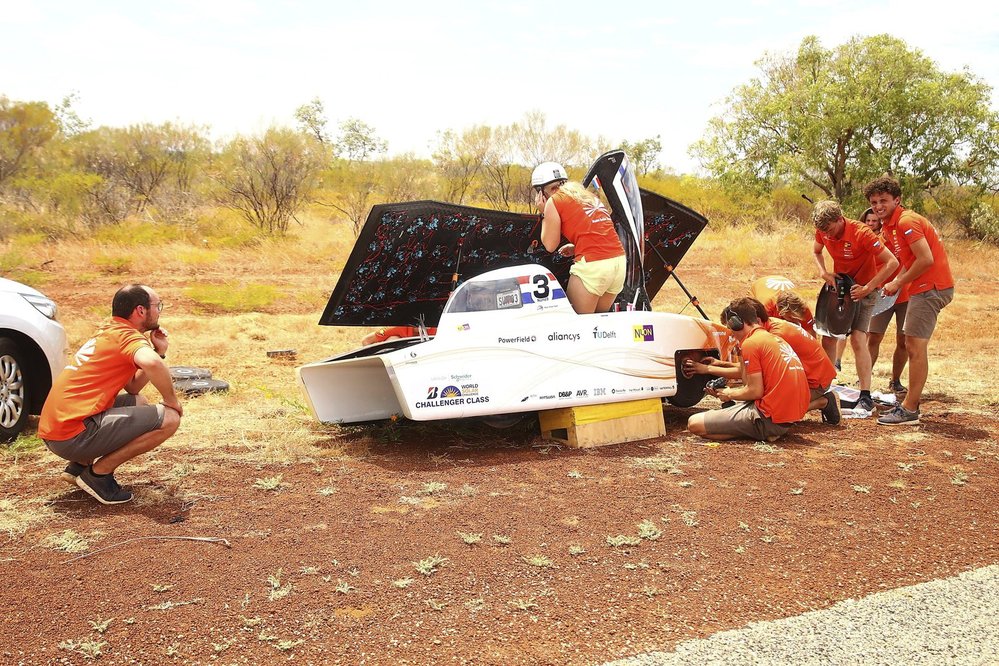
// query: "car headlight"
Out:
[44,305]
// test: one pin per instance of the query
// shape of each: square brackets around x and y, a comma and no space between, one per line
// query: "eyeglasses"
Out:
[159,305]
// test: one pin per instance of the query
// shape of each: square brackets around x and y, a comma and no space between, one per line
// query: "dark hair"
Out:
[127,299]
[761,310]
[863,216]
[745,308]
[885,184]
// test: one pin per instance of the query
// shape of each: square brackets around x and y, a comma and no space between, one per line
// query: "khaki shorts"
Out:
[743,419]
[108,431]
[816,393]
[605,276]
[879,323]
[862,317]
[921,317]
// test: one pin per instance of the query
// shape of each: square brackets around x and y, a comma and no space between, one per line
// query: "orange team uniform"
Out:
[819,370]
[766,289]
[855,252]
[785,387]
[89,384]
[589,228]
[905,228]
[903,292]
[383,334]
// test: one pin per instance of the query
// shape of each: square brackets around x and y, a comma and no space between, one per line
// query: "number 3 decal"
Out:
[541,291]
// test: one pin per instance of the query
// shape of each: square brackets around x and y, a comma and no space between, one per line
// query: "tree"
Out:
[644,154]
[24,128]
[537,143]
[832,119]
[268,178]
[357,141]
[460,158]
[312,119]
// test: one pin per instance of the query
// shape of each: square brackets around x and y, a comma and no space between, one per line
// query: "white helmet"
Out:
[547,172]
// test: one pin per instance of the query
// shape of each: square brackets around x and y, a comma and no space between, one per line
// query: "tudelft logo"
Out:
[644,333]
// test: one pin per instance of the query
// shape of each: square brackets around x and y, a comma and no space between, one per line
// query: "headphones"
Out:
[733,320]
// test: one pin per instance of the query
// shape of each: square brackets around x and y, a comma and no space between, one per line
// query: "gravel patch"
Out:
[949,621]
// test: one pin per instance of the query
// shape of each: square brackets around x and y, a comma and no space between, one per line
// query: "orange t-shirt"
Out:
[589,228]
[785,387]
[92,380]
[766,290]
[855,252]
[901,231]
[903,292]
[383,334]
[819,370]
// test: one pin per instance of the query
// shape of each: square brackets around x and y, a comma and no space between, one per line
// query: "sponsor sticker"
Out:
[645,333]
[558,337]
[599,334]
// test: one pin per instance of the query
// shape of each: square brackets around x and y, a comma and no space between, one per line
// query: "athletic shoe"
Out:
[838,365]
[895,386]
[865,403]
[73,470]
[899,416]
[830,413]
[104,489]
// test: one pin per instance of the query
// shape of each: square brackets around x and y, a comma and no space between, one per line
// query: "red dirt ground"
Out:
[747,533]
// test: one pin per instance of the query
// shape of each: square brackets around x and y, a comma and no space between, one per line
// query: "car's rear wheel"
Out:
[14,391]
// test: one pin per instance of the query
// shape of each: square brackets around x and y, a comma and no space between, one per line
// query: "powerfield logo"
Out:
[645,333]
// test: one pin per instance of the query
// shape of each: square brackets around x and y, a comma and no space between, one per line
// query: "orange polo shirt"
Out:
[785,387]
[855,252]
[819,370]
[589,228]
[92,380]
[905,228]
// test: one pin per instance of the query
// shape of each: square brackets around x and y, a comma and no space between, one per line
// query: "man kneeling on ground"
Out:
[775,393]
[88,421]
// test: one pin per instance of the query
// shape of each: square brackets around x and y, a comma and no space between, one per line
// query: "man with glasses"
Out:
[89,421]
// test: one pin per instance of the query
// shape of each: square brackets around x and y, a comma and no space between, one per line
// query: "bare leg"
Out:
[840,347]
[829,345]
[874,346]
[141,444]
[899,358]
[605,302]
[919,368]
[858,341]
[695,424]
[582,301]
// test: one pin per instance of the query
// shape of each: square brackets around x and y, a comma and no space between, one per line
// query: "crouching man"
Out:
[775,393]
[88,421]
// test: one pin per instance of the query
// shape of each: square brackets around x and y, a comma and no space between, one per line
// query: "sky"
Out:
[625,70]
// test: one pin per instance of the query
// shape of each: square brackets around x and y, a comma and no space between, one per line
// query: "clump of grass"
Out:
[502,539]
[270,483]
[277,591]
[161,588]
[864,490]
[689,518]
[343,587]
[16,517]
[67,541]
[661,463]
[100,626]
[524,604]
[575,474]
[436,605]
[623,540]
[327,491]
[959,479]
[111,264]
[797,491]
[575,550]
[432,487]
[470,538]
[90,649]
[286,644]
[648,530]
[650,591]
[429,565]
[402,583]
[541,561]
[763,447]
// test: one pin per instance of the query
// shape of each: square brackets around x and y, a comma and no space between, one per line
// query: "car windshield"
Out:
[486,295]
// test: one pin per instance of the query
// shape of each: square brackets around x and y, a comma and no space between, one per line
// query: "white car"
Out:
[507,340]
[32,353]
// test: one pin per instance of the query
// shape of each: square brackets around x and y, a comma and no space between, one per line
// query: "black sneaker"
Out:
[865,403]
[895,386]
[104,489]
[899,416]
[73,470]
[830,413]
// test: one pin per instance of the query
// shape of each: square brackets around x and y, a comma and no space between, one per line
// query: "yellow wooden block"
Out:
[612,423]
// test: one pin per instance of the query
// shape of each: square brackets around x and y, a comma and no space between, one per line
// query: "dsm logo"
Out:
[450,392]
[645,333]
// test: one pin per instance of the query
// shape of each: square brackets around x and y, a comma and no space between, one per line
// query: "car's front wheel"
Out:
[14,407]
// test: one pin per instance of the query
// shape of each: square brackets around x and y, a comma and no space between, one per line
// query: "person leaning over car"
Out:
[856,252]
[88,421]
[778,297]
[568,209]
[775,394]
[926,273]
[879,322]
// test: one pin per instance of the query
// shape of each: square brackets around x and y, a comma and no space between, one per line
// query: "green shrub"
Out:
[984,223]
[132,233]
[112,264]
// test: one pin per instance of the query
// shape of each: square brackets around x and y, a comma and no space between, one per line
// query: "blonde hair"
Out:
[579,194]
[825,213]
[790,307]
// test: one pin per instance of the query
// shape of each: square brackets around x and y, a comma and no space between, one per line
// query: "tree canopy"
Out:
[831,119]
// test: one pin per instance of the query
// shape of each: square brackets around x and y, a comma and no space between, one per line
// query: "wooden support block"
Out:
[596,425]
